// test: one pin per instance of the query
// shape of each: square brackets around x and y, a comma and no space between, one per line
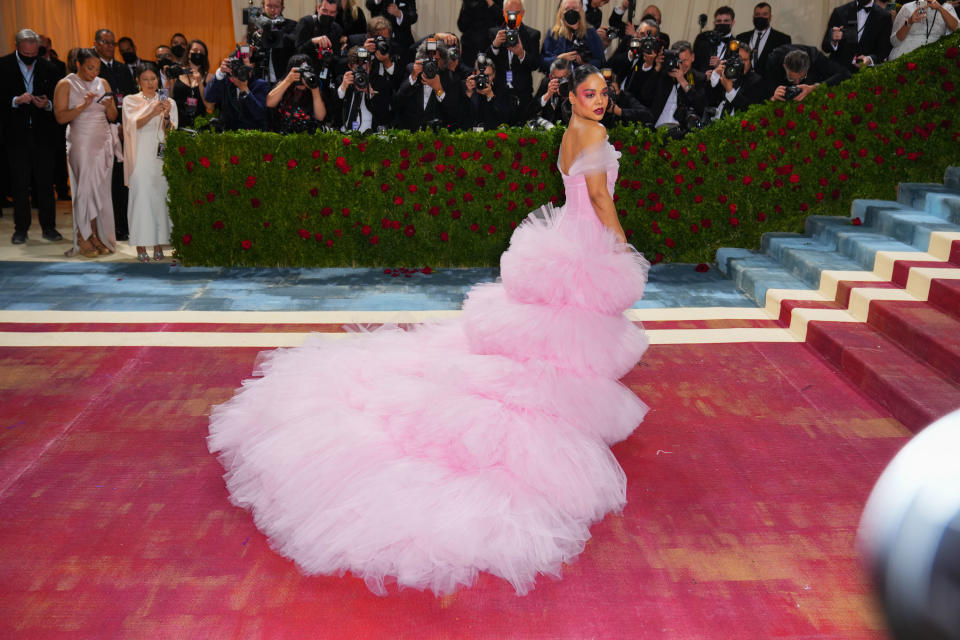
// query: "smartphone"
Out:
[104,97]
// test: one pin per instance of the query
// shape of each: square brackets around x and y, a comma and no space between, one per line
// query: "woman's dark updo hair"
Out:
[146,65]
[85,54]
[296,60]
[580,74]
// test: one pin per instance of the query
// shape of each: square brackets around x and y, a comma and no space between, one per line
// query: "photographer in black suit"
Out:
[319,32]
[121,81]
[794,70]
[858,34]
[362,98]
[763,38]
[429,95]
[487,109]
[242,98]
[273,38]
[476,19]
[31,135]
[402,15]
[636,58]
[553,93]
[735,84]
[515,52]
[384,51]
[622,107]
[676,94]
[709,46]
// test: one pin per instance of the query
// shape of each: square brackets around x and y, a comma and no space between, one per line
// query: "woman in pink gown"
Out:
[423,457]
[85,101]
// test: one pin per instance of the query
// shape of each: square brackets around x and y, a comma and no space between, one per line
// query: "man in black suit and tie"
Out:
[362,109]
[515,61]
[60,181]
[676,95]
[402,15]
[118,75]
[710,47]
[763,38]
[801,67]
[275,43]
[31,134]
[425,99]
[858,34]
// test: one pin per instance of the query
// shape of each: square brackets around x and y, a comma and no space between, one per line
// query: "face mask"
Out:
[198,58]
[178,50]
[761,24]
[571,17]
[28,60]
[129,57]
[42,52]
[722,29]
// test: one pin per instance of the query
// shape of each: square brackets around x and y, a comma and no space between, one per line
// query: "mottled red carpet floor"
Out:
[746,483]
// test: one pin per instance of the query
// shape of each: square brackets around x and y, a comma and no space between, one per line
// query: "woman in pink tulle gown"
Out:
[423,457]
[85,101]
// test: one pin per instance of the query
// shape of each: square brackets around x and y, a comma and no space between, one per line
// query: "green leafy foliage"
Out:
[409,199]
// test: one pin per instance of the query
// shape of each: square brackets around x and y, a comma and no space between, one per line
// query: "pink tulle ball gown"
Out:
[423,457]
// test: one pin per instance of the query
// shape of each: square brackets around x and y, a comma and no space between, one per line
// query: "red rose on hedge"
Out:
[233,159]
[250,182]
[189,165]
[186,239]
[374,239]
[268,157]
[444,236]
[394,224]
[291,164]
[314,192]
[218,224]
[246,244]
[255,203]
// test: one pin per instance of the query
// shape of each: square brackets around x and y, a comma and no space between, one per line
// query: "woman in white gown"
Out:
[916,26]
[147,117]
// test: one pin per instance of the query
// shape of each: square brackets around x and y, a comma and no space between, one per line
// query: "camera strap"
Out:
[929,24]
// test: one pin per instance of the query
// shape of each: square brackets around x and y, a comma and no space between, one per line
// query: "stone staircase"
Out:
[876,294]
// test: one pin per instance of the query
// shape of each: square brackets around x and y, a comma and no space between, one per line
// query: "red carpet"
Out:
[745,487]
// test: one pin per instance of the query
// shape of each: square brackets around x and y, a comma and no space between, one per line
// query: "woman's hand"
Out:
[87,99]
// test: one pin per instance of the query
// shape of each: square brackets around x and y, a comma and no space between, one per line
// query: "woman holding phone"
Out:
[85,102]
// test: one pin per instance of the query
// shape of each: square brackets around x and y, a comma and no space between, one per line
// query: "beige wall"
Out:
[804,20]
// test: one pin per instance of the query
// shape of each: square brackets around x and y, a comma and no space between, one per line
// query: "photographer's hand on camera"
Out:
[680,79]
[347,81]
[322,42]
[725,82]
[434,83]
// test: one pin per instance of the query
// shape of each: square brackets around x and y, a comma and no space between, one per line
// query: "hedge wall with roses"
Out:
[415,199]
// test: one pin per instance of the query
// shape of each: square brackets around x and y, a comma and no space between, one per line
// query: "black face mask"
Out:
[129,57]
[178,50]
[722,29]
[761,24]
[27,60]
[571,17]
[198,58]
[42,52]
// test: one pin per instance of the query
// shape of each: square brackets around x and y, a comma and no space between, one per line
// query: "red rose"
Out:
[374,240]
[346,142]
[492,230]
[747,180]
[722,199]
[182,150]
[474,227]
[444,236]
[674,214]
[398,200]
[502,136]
[412,188]
[189,165]
[218,224]
[702,268]
[669,242]
[205,161]
[187,238]
[255,203]
[952,52]
[246,244]
[329,243]
[233,159]
[678,178]
[813,135]
[734,221]
[394,224]
[210,196]
[345,212]
[911,66]
[291,164]
[338,232]
[250,182]
[268,157]
[856,222]
[455,214]
[314,192]
[304,234]
[794,178]
[698,199]
[266,225]
[694,228]
[384,187]
[468,197]
[326,211]
[761,216]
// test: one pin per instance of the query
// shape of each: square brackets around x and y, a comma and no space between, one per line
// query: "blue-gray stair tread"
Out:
[755,273]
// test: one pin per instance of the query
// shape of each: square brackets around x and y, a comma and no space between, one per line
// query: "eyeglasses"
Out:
[109,43]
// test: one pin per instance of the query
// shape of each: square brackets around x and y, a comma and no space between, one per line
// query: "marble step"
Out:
[754,272]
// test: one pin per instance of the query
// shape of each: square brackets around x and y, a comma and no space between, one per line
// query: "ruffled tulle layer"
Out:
[479,444]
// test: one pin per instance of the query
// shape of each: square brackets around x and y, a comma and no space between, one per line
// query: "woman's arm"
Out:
[603,203]
[61,103]
[276,94]
[319,108]
[110,104]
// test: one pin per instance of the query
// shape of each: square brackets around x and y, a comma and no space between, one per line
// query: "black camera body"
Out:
[614,33]
[671,60]
[581,47]
[648,44]
[239,70]
[173,70]
[262,30]
[430,68]
[308,76]
[361,79]
[513,29]
[733,68]
[482,81]
[382,44]
[791,92]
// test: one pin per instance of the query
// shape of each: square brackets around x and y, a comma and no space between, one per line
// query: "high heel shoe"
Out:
[86,249]
[101,248]
[142,256]
[158,254]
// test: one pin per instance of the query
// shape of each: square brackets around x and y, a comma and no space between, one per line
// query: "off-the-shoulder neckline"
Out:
[600,143]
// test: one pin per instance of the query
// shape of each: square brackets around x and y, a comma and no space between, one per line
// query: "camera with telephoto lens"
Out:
[239,70]
[733,63]
[173,70]
[581,47]
[671,60]
[383,45]
[308,76]
[262,30]
[648,44]
[791,92]
[361,79]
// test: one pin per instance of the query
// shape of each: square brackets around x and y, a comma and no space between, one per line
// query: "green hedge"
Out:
[414,199]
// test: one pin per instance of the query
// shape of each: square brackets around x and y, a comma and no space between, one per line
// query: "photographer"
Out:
[920,23]
[185,84]
[514,50]
[622,108]
[676,94]
[476,19]
[487,109]
[428,96]
[571,38]
[241,97]
[858,34]
[383,49]
[553,94]
[318,35]
[637,56]
[794,70]
[402,15]
[273,38]
[363,96]
[296,104]
[593,12]
[735,84]
[709,46]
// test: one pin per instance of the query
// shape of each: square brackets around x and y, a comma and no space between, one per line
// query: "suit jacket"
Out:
[346,111]
[475,23]
[553,110]
[408,108]
[874,41]
[774,39]
[751,89]
[26,125]
[632,111]
[522,91]
[658,87]
[118,75]
[402,32]
[239,113]
[309,28]
[284,45]
[822,68]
